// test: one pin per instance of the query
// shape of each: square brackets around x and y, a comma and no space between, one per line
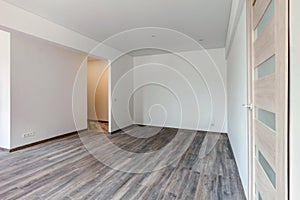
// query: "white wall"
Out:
[235,14]
[120,91]
[5,90]
[294,100]
[14,18]
[48,62]
[98,90]
[237,95]
[42,79]
[170,91]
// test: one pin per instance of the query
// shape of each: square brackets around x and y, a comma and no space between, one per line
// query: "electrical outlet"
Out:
[31,134]
[212,124]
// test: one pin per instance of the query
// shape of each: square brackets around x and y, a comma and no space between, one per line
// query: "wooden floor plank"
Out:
[64,169]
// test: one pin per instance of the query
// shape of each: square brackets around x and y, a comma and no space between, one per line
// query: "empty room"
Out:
[137,99]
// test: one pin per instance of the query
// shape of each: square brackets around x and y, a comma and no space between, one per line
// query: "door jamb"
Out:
[251,189]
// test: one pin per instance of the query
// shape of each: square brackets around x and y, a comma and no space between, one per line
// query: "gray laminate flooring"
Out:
[65,169]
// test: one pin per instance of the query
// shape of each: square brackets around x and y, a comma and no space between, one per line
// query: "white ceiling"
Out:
[101,19]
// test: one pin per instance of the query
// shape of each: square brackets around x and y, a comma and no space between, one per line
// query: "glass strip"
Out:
[259,196]
[267,168]
[265,18]
[265,68]
[266,117]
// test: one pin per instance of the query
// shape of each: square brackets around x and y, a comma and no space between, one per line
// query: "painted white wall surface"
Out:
[79,101]
[5,89]
[171,90]
[42,80]
[98,90]
[237,95]
[294,100]
[120,92]
[235,14]
[21,20]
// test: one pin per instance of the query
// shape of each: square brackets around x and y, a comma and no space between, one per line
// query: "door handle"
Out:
[249,106]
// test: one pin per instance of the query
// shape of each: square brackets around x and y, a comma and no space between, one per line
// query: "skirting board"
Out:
[94,120]
[143,125]
[181,128]
[76,132]
[42,141]
[119,130]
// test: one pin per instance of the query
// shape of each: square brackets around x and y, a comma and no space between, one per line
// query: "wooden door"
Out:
[267,28]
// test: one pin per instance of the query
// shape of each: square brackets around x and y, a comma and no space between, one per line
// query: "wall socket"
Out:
[26,135]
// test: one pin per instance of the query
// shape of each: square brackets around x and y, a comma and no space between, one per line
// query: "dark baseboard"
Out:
[141,125]
[74,133]
[93,120]
[119,130]
[46,140]
[168,127]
